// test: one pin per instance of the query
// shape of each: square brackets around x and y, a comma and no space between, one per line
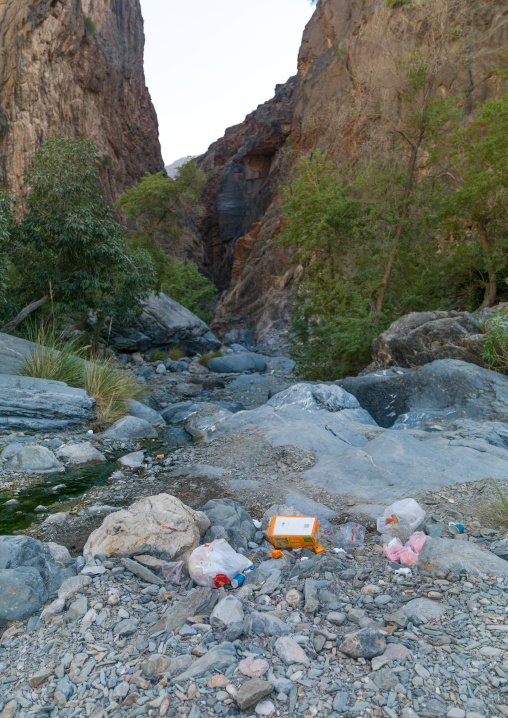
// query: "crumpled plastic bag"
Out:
[417,541]
[407,554]
[403,511]
[172,572]
[215,564]
[347,536]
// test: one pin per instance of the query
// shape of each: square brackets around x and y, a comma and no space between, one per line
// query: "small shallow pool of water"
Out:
[77,481]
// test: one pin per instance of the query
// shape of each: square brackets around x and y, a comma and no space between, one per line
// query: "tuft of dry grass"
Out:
[205,358]
[111,387]
[53,358]
[502,506]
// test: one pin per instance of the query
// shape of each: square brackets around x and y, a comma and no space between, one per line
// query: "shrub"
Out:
[90,27]
[111,387]
[53,358]
[391,4]
[205,358]
[495,344]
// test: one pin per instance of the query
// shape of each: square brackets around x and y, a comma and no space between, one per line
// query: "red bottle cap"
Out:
[221,580]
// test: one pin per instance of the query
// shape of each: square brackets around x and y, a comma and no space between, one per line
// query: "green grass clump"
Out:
[111,387]
[53,358]
[502,505]
[391,4]
[60,360]
[205,358]
[90,26]
[161,355]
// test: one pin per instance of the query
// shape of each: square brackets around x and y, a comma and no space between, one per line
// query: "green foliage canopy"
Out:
[69,243]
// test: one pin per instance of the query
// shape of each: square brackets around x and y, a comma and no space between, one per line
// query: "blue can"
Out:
[238,580]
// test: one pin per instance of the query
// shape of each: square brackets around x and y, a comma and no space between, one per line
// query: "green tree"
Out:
[478,208]
[340,223]
[160,207]
[69,245]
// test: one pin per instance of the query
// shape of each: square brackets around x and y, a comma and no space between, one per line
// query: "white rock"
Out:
[226,612]
[58,518]
[93,570]
[133,460]
[162,521]
[83,453]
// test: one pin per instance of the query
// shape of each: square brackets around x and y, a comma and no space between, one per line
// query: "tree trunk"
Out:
[489,297]
[11,326]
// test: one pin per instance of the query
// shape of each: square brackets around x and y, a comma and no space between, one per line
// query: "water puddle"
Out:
[54,491]
[49,491]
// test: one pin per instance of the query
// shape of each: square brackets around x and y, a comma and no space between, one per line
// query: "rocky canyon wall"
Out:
[351,52]
[75,68]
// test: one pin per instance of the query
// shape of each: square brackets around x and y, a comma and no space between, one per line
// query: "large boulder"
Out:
[231,520]
[451,555]
[82,453]
[163,522]
[422,337]
[42,405]
[28,576]
[22,592]
[447,388]
[164,323]
[241,363]
[34,458]
[142,411]
[13,351]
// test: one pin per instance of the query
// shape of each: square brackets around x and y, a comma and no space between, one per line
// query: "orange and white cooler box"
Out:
[294,532]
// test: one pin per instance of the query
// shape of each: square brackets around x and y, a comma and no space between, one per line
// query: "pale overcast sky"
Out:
[208,63]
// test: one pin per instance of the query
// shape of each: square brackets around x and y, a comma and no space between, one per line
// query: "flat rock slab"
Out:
[309,507]
[133,460]
[450,555]
[27,403]
[22,592]
[197,602]
[252,692]
[142,411]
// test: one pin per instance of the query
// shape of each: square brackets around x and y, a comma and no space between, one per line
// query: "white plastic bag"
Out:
[405,511]
[211,563]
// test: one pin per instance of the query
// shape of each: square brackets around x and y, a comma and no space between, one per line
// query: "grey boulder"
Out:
[22,592]
[34,458]
[165,323]
[233,519]
[180,411]
[448,388]
[142,411]
[83,453]
[41,404]
[130,427]
[422,337]
[450,555]
[242,363]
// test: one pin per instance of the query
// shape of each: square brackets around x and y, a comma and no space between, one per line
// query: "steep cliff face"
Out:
[350,55]
[75,68]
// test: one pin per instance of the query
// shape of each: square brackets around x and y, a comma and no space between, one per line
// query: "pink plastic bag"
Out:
[417,541]
[407,556]
[393,549]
